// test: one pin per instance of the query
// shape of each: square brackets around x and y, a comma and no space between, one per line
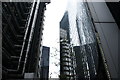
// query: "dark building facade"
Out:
[67,57]
[44,71]
[22,26]
[88,26]
[67,61]
[105,17]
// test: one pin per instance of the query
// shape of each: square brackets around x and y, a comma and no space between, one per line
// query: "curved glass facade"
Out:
[83,40]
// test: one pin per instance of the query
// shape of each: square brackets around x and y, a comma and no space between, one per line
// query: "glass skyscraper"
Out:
[77,22]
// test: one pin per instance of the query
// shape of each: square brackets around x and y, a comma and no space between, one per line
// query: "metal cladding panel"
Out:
[115,10]
[108,33]
[100,12]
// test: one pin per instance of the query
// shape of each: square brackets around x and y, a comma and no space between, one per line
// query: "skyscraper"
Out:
[88,31]
[44,71]
[22,26]
[67,62]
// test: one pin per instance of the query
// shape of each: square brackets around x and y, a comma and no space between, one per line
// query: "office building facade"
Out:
[105,17]
[67,61]
[67,57]
[88,30]
[22,26]
[44,71]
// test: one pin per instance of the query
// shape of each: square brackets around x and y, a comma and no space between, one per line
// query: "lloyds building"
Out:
[92,30]
[22,30]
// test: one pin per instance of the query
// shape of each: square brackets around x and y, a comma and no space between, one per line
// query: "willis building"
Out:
[89,34]
[22,30]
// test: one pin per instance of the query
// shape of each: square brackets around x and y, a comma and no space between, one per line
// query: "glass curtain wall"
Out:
[83,39]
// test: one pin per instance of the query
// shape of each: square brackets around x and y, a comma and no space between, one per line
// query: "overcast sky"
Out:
[54,13]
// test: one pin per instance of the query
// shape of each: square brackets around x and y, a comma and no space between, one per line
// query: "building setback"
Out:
[22,26]
[44,71]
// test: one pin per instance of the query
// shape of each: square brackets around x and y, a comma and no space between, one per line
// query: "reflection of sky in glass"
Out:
[72,22]
[81,33]
[84,24]
[78,15]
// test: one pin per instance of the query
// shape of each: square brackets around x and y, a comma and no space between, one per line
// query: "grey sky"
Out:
[54,13]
